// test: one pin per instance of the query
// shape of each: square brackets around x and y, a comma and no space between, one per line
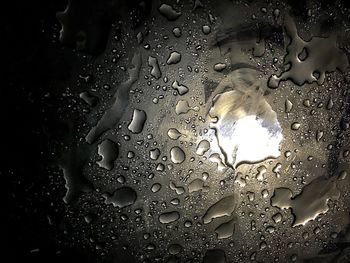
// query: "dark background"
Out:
[37,67]
[32,62]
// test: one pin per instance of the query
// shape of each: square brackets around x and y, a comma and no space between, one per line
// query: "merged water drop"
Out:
[310,203]
[309,61]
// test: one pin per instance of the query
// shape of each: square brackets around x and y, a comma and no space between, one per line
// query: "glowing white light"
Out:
[248,140]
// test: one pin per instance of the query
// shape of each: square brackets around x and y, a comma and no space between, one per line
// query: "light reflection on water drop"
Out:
[247,128]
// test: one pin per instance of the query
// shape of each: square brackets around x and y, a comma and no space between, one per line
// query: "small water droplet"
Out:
[206,29]
[219,67]
[319,135]
[156,187]
[295,126]
[288,106]
[177,32]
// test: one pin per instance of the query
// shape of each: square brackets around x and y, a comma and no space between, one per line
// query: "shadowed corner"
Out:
[86,25]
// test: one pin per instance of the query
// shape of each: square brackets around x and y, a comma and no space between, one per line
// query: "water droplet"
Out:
[216,158]
[219,67]
[277,218]
[87,78]
[153,63]
[169,217]
[169,12]
[270,229]
[88,218]
[130,154]
[139,38]
[156,187]
[182,107]
[178,189]
[310,203]
[197,185]
[160,167]
[175,201]
[173,58]
[251,196]
[319,135]
[181,89]
[342,175]
[108,150]
[197,4]
[288,106]
[174,134]
[276,13]
[224,207]
[225,230]
[154,154]
[206,30]
[262,245]
[122,197]
[138,121]
[175,249]
[90,100]
[307,103]
[277,169]
[260,176]
[330,104]
[264,193]
[295,126]
[177,32]
[177,155]
[203,147]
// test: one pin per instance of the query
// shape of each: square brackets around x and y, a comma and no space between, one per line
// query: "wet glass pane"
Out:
[178,131]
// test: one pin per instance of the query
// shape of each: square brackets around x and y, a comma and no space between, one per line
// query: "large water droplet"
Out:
[309,61]
[174,134]
[224,207]
[138,121]
[153,63]
[182,107]
[225,230]
[108,150]
[122,197]
[203,147]
[310,203]
[169,217]
[197,185]
[169,12]
[177,155]
[181,89]
[173,58]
